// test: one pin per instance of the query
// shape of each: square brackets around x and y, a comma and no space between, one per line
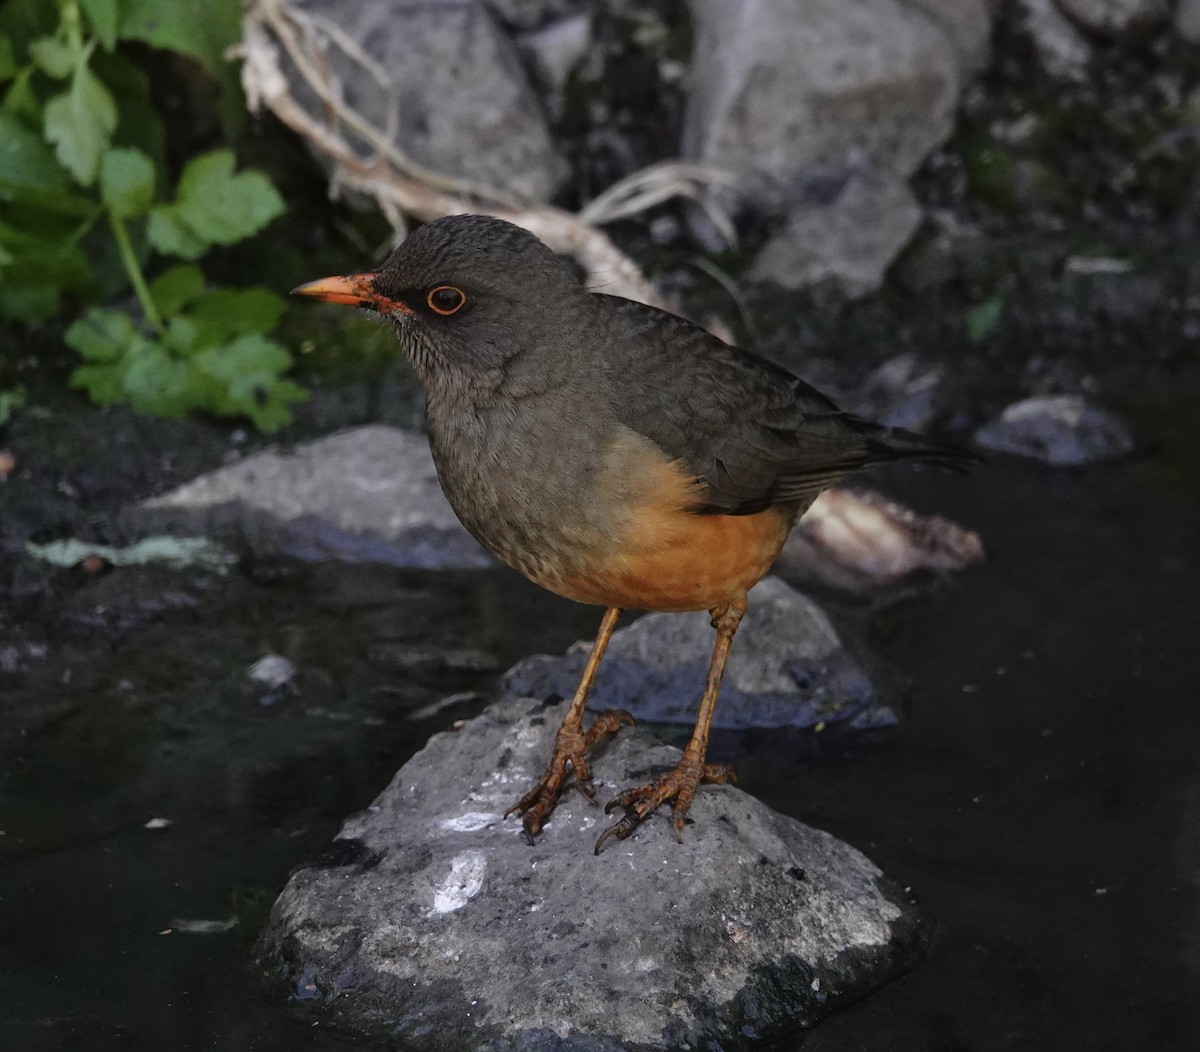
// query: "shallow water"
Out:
[1042,798]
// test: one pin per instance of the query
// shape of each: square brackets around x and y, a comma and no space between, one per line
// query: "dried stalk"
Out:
[404,188]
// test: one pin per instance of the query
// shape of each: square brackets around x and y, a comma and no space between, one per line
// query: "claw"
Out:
[628,823]
[679,784]
[570,747]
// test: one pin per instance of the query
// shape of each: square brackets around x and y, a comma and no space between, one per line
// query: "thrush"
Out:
[611,452]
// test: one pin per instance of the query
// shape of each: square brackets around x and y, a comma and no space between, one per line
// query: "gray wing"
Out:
[752,432]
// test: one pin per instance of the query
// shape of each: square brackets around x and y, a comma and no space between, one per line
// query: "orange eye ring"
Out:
[446,300]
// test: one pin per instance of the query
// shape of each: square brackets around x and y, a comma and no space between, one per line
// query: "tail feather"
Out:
[897,443]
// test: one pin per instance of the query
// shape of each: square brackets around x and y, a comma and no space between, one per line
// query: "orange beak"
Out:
[357,290]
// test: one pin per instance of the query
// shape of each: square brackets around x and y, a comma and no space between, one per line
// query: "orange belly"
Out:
[675,560]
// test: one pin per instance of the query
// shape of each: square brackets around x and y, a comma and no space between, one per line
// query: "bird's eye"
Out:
[446,299]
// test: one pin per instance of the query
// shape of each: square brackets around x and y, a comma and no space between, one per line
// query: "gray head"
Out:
[465,293]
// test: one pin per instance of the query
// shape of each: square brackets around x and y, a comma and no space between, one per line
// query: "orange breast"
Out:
[676,560]
[656,553]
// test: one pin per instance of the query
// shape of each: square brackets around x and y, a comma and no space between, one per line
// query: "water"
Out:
[1041,799]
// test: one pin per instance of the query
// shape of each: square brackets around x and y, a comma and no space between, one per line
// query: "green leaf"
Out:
[982,319]
[222,315]
[10,400]
[180,337]
[8,63]
[24,299]
[60,203]
[104,335]
[158,383]
[204,29]
[45,263]
[223,207]
[103,16]
[21,100]
[80,123]
[53,57]
[247,377]
[127,182]
[171,236]
[140,125]
[176,288]
[102,383]
[23,21]
[25,159]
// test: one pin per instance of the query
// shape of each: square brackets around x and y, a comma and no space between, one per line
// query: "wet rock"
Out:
[368,494]
[790,667]
[1064,430]
[1061,47]
[432,921]
[857,540]
[1115,17]
[447,83]
[903,392]
[851,238]
[1187,20]
[782,91]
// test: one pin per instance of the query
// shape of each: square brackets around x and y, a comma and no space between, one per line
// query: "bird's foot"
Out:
[570,747]
[681,783]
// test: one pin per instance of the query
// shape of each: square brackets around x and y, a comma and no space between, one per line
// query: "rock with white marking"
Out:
[430,920]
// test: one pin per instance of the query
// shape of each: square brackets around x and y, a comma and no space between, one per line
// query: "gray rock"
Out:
[1187,20]
[789,668]
[1115,17]
[850,239]
[367,494]
[968,24]
[1064,430]
[523,15]
[431,921]
[782,91]
[903,392]
[557,49]
[448,85]
[1061,47]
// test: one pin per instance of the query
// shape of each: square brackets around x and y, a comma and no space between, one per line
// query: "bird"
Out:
[611,452]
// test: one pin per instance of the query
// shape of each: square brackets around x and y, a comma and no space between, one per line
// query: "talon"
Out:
[628,823]
[570,747]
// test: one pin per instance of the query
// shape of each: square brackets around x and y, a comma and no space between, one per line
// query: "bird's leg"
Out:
[571,743]
[681,783]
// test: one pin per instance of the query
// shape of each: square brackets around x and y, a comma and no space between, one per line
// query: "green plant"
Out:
[982,319]
[82,181]
[10,400]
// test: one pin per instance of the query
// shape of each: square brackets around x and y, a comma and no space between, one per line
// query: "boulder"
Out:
[1061,47]
[789,667]
[431,920]
[366,494]
[1115,17]
[1187,20]
[1063,430]
[850,239]
[447,84]
[782,91]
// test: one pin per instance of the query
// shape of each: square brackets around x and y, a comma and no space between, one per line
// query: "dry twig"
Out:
[404,188]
